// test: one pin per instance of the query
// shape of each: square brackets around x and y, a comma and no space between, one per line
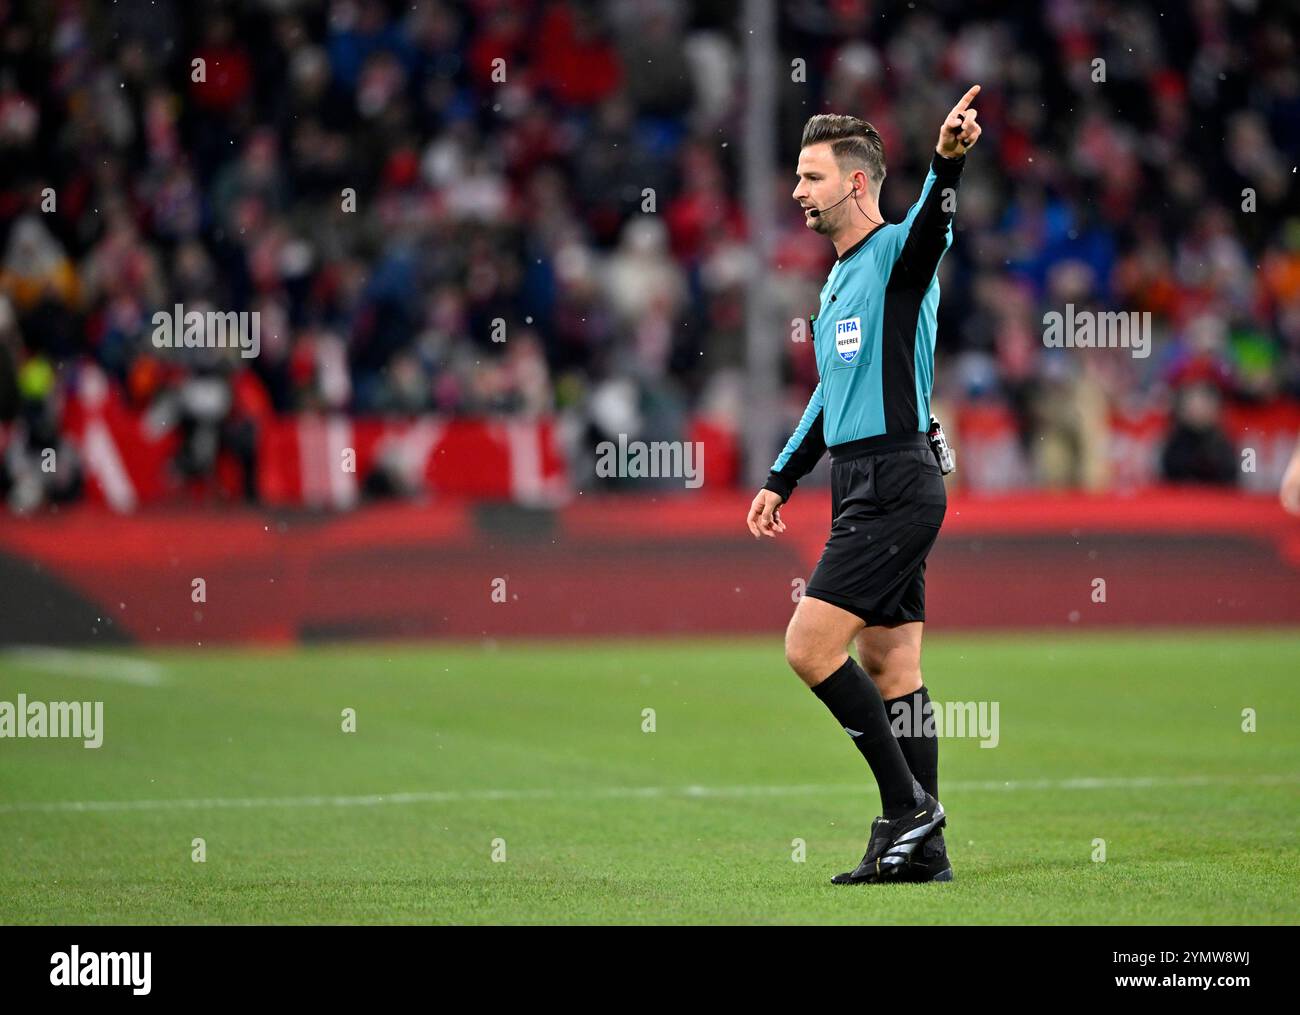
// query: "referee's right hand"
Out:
[765,515]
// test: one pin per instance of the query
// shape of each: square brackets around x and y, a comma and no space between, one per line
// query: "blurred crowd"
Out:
[534,207]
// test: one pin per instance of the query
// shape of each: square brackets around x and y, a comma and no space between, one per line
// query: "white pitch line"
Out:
[629,792]
[94,665]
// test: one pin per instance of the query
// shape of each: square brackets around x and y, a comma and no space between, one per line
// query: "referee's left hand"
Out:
[765,515]
[959,130]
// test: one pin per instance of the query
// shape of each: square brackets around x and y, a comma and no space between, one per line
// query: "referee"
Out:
[874,335]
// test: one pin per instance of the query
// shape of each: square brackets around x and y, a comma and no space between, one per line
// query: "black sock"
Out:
[921,752]
[855,701]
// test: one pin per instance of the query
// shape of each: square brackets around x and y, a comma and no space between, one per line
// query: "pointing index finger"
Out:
[966,99]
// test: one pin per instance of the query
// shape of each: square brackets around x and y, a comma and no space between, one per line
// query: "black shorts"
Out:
[887,504]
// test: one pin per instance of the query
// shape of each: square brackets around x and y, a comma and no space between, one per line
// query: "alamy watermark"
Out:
[213,329]
[911,718]
[76,720]
[75,968]
[655,460]
[1088,329]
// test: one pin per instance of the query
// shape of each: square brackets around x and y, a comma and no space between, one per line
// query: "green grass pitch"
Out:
[1132,738]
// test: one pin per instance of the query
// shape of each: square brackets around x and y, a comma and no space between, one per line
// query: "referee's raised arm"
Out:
[929,223]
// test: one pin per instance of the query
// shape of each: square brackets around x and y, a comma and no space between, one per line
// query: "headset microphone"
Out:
[816,212]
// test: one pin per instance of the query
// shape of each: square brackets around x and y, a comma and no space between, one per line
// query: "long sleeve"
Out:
[929,225]
[802,451]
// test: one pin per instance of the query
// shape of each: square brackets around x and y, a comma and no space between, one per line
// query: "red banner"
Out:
[335,461]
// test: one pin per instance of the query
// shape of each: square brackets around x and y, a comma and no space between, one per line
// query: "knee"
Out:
[804,655]
[896,685]
[894,675]
[873,664]
[798,651]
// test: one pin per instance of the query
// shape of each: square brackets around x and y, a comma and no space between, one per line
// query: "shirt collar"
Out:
[858,246]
